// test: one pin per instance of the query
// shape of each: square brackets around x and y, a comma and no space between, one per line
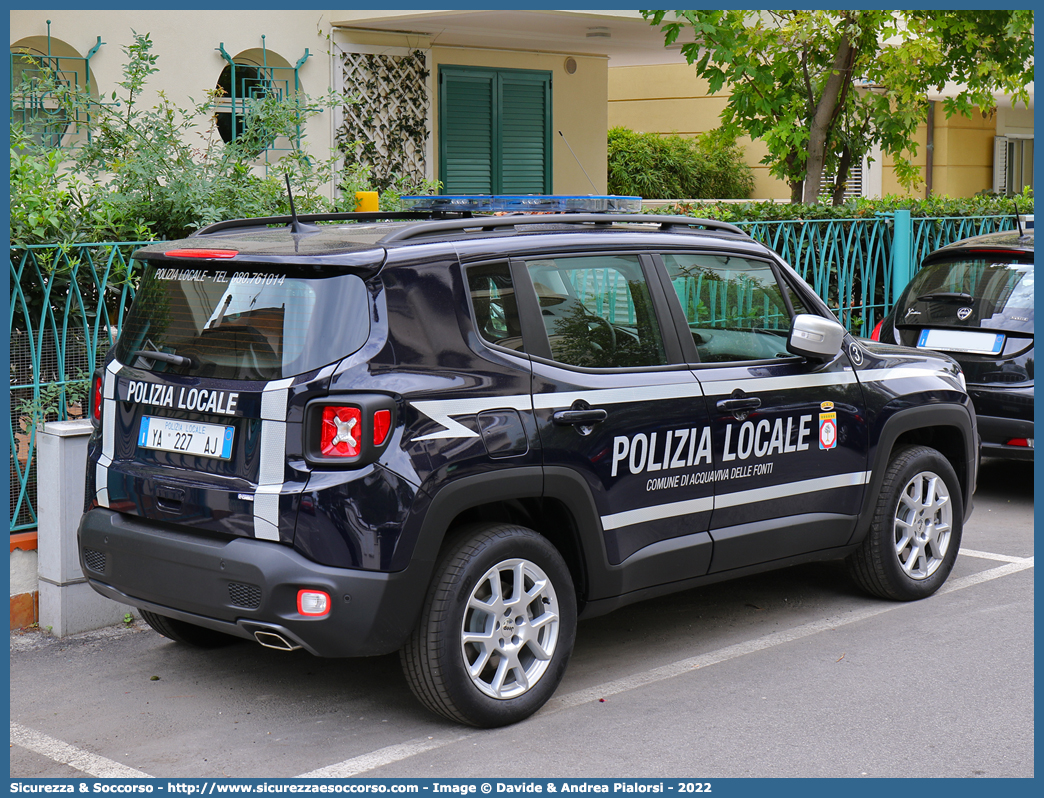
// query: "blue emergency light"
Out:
[524,203]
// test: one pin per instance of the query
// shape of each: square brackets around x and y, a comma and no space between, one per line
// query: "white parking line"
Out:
[396,753]
[384,756]
[988,555]
[99,766]
[85,761]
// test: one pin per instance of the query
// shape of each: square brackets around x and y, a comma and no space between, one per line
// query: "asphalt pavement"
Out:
[790,673]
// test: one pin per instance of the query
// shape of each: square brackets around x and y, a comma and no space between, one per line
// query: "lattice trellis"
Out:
[387,128]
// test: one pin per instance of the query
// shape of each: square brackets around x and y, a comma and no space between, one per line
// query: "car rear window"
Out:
[242,325]
[991,284]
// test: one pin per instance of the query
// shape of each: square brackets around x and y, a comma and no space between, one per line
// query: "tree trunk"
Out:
[826,108]
[844,166]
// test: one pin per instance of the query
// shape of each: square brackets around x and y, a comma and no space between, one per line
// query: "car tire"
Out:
[187,633]
[916,529]
[476,656]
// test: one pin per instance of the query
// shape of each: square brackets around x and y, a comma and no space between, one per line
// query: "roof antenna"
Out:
[296,226]
[1018,220]
[589,180]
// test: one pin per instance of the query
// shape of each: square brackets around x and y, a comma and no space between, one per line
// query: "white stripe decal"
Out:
[784,383]
[660,511]
[101,485]
[902,373]
[273,453]
[266,512]
[657,512]
[273,457]
[614,396]
[440,411]
[791,489]
[108,429]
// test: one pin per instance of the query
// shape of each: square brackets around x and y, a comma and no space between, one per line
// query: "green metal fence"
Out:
[67,304]
[856,265]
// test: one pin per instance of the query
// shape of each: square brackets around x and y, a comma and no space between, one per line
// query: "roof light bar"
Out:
[524,203]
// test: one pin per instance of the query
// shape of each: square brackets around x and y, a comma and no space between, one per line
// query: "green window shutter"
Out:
[494,131]
[466,131]
[525,133]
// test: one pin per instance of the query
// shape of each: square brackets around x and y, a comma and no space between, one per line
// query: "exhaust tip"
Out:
[274,640]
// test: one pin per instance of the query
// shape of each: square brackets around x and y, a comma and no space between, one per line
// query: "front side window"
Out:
[597,311]
[236,327]
[734,306]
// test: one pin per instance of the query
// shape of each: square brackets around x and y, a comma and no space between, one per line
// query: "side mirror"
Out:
[815,337]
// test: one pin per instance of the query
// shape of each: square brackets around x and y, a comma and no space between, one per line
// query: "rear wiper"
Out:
[166,357]
[947,296]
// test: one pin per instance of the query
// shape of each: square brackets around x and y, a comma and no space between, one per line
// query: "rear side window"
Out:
[243,326]
[496,311]
[597,311]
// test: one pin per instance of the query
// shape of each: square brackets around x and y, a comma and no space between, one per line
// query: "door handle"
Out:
[745,404]
[584,418]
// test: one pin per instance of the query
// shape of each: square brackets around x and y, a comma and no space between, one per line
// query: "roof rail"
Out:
[666,223]
[263,222]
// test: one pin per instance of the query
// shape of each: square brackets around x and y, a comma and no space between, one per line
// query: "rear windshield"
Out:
[242,325]
[992,285]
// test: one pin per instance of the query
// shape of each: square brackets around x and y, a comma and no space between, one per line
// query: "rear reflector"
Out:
[313,602]
[381,426]
[1027,442]
[201,253]
[96,400]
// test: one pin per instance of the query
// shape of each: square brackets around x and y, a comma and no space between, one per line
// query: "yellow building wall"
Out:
[963,158]
[579,110]
[186,44]
[189,65]
[672,99]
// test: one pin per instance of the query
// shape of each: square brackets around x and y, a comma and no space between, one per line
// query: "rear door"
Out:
[616,405]
[789,435]
[204,389]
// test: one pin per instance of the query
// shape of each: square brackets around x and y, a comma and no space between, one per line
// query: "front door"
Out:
[789,441]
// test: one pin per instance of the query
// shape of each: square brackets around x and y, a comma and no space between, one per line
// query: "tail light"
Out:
[876,334]
[1024,442]
[348,431]
[96,400]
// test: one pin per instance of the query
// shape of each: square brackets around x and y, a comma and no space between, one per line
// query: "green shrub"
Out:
[651,166]
[936,207]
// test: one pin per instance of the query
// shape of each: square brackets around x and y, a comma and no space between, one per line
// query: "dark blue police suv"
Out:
[453,434]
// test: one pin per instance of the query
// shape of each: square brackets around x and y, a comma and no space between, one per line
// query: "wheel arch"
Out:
[949,429]
[555,502]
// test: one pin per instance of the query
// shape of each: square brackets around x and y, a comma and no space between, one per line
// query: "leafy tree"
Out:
[821,87]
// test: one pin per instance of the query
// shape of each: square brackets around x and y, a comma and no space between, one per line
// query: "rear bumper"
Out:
[996,432]
[243,585]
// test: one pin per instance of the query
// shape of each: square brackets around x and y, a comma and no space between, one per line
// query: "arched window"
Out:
[239,83]
[42,66]
[250,76]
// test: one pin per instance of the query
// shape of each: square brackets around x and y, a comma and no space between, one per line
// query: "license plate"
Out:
[980,343]
[186,437]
